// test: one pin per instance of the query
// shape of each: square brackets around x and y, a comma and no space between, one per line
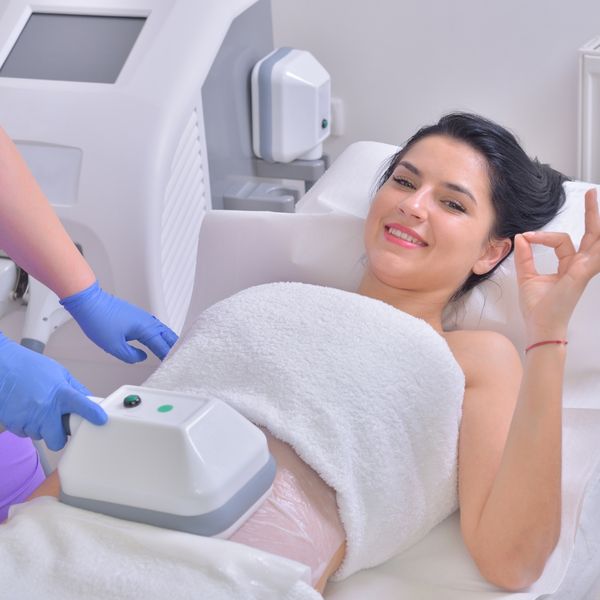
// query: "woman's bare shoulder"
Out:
[479,352]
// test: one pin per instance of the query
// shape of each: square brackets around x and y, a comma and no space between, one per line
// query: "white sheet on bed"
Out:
[582,581]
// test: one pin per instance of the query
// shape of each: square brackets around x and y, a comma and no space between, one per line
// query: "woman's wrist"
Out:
[535,335]
[553,342]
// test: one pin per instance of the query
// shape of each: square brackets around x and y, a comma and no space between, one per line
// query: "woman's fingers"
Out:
[561,242]
[524,264]
[592,220]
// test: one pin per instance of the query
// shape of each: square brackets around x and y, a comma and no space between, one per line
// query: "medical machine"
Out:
[168,459]
[106,101]
[135,118]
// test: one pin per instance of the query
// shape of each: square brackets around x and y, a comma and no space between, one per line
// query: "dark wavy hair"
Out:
[526,194]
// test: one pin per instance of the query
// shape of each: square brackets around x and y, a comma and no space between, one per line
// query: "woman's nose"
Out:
[415,204]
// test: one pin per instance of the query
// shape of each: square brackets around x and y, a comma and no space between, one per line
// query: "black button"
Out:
[131,401]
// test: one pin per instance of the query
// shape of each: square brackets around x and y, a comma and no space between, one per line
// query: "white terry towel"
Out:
[368,396]
[52,551]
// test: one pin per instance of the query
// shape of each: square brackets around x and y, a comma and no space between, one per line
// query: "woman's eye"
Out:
[404,182]
[456,206]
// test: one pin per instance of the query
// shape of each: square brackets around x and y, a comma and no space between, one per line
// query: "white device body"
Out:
[174,454]
[8,279]
[44,313]
[291,106]
[124,163]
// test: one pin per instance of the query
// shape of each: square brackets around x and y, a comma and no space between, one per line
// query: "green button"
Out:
[165,408]
[324,124]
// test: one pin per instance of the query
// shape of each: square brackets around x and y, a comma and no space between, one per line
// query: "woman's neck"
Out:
[423,305]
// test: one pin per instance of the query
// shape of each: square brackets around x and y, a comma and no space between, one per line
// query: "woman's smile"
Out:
[403,236]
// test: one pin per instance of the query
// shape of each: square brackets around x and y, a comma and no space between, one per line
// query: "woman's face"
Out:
[429,225]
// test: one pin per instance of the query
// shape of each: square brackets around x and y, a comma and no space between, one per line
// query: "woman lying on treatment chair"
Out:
[449,209]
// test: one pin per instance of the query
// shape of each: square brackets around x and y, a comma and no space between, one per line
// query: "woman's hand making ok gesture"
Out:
[547,301]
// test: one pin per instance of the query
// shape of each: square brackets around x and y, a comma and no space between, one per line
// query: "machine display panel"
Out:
[68,47]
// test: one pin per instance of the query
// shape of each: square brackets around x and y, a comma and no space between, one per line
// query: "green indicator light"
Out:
[324,124]
[165,408]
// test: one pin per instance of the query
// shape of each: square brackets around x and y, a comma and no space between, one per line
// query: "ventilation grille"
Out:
[184,207]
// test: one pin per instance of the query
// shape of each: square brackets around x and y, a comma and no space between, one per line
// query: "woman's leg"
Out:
[49,487]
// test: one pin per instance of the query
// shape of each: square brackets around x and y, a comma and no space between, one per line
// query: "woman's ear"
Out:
[494,252]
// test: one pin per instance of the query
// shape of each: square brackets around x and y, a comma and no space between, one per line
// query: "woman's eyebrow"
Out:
[461,189]
[410,167]
[452,186]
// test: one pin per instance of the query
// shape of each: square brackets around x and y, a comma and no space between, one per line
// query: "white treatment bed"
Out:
[323,245]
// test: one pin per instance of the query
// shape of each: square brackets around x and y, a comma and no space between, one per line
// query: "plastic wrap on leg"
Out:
[299,520]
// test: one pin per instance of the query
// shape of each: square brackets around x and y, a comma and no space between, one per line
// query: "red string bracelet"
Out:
[564,342]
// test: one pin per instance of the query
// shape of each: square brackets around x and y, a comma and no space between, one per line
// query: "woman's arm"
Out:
[510,460]
[510,477]
[31,233]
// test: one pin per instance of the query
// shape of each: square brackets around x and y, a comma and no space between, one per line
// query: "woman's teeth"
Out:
[404,236]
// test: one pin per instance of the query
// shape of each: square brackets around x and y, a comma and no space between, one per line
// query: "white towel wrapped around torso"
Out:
[368,396]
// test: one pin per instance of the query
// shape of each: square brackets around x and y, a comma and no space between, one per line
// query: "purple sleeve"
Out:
[20,470]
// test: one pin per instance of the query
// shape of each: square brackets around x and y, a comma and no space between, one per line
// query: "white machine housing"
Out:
[291,106]
[173,460]
[124,162]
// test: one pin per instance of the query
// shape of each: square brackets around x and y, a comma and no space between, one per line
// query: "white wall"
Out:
[400,64]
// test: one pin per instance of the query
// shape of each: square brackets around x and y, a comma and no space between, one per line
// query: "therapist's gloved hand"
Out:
[111,322]
[35,391]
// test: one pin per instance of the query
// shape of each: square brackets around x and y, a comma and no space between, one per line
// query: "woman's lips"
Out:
[403,236]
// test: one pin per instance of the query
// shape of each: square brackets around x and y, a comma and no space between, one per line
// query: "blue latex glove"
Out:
[35,391]
[111,322]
